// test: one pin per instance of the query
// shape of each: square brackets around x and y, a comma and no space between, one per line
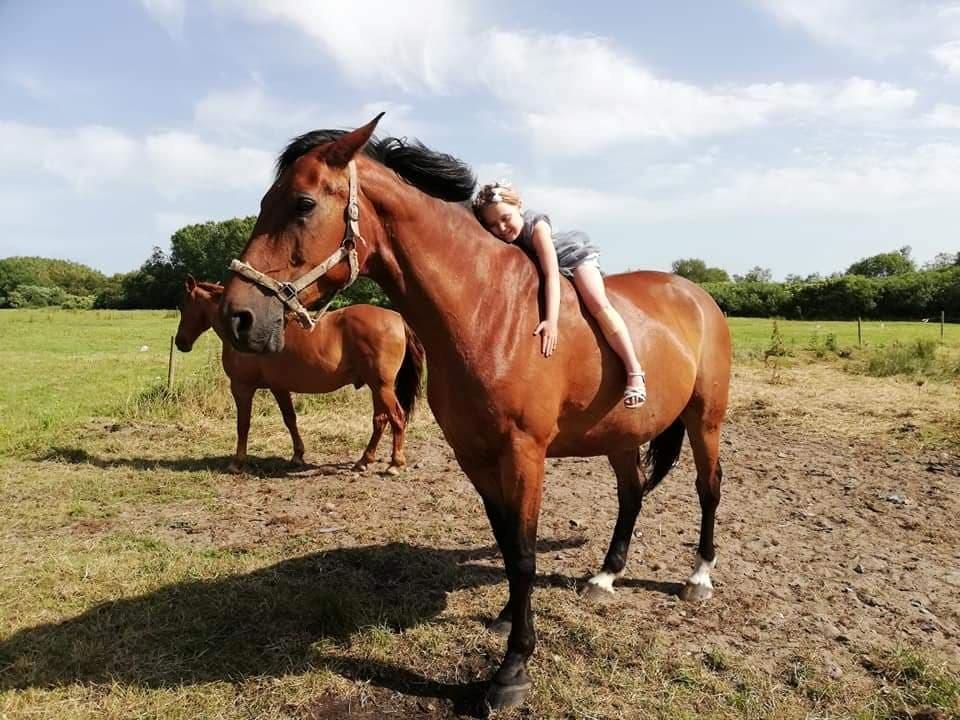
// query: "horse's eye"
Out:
[305,204]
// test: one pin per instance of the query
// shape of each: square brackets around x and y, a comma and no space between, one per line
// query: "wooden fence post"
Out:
[170,366]
[942,316]
[859,333]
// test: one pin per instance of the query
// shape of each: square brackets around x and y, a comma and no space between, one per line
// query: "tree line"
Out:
[203,250]
[884,286]
[888,285]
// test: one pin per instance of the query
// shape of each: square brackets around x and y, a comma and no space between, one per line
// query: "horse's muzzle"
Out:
[254,330]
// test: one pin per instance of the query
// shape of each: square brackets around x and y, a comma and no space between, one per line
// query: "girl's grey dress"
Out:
[574,248]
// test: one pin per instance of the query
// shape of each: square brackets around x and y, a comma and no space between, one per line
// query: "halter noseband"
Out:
[287,292]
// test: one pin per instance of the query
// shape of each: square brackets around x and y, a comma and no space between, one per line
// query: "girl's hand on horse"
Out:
[547,330]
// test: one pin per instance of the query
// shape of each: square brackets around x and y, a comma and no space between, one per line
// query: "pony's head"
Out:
[317,228]
[199,300]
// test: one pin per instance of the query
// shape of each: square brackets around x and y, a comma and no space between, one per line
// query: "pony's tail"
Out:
[662,454]
[409,380]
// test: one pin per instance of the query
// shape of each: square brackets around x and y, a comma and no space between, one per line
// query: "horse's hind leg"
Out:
[380,418]
[630,482]
[398,429]
[285,403]
[704,434]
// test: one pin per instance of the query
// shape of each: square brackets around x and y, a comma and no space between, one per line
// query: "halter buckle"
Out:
[287,291]
[353,211]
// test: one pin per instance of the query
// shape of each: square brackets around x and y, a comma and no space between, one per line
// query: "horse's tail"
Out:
[409,380]
[662,454]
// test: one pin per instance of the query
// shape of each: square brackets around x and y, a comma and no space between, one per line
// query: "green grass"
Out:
[136,580]
[62,367]
[753,334]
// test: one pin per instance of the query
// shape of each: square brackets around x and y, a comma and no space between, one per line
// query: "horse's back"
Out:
[682,307]
[683,343]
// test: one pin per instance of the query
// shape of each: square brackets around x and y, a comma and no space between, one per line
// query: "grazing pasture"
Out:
[139,579]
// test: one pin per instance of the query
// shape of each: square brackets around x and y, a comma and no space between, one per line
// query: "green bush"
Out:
[912,358]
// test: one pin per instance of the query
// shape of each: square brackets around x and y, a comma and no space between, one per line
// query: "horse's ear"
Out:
[191,283]
[349,144]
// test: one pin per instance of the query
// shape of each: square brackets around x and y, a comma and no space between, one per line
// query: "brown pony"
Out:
[473,301]
[360,344]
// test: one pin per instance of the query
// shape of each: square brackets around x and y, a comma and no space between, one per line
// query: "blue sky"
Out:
[798,135]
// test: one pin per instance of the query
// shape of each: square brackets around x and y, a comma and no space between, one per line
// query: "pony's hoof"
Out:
[597,594]
[360,466]
[696,592]
[500,697]
[500,627]
[393,470]
[297,461]
[235,468]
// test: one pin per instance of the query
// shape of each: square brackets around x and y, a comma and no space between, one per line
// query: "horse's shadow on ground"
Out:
[268,622]
[268,467]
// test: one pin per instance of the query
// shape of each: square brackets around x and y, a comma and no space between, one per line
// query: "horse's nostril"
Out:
[242,321]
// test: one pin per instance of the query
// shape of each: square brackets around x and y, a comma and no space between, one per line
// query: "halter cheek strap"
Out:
[287,292]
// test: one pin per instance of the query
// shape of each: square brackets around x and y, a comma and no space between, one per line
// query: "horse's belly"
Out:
[297,376]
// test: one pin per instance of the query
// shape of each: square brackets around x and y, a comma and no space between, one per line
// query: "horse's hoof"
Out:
[696,592]
[597,594]
[393,470]
[501,627]
[235,468]
[360,466]
[297,461]
[500,697]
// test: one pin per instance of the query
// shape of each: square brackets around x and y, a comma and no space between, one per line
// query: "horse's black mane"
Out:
[437,174]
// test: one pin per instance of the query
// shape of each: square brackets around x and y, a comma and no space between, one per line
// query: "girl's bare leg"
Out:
[589,284]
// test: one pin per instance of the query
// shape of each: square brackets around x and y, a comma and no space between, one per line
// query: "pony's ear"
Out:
[191,283]
[349,144]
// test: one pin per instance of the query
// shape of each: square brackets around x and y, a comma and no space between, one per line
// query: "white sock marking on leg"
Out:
[604,580]
[701,572]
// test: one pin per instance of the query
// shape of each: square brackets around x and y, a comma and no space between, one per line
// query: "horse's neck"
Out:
[437,265]
[211,310]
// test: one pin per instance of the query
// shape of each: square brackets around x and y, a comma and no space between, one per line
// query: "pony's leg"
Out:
[517,507]
[704,437]
[398,431]
[380,418]
[285,402]
[243,397]
[630,482]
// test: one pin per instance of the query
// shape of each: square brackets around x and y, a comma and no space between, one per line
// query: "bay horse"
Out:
[474,302]
[359,345]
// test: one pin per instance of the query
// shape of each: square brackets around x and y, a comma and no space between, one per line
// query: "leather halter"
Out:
[287,292]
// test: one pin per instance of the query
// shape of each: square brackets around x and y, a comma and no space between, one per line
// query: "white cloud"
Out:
[578,95]
[84,157]
[571,94]
[93,157]
[180,162]
[415,45]
[943,116]
[168,14]
[874,28]
[948,55]
[247,110]
[924,176]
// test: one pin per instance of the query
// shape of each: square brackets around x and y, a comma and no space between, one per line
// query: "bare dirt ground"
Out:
[838,536]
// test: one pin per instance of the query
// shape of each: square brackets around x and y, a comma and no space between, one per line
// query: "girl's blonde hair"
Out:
[493,193]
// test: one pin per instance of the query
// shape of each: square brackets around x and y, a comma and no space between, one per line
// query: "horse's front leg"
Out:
[513,504]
